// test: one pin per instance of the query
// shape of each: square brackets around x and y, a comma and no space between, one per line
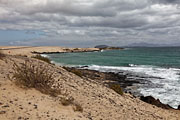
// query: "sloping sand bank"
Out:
[98,102]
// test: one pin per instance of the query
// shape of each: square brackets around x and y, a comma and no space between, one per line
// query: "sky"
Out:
[86,23]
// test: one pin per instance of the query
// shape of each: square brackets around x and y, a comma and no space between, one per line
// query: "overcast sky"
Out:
[85,23]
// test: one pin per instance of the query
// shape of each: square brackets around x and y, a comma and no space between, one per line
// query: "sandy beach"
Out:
[97,101]
[29,50]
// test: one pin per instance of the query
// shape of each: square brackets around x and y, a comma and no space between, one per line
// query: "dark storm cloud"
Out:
[119,22]
[115,21]
[167,1]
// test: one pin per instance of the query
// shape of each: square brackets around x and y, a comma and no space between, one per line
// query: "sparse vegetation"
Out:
[28,75]
[2,55]
[39,57]
[75,71]
[78,107]
[76,48]
[70,101]
[67,101]
[117,88]
[21,55]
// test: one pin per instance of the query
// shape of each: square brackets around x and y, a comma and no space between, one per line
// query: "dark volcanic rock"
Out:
[105,47]
[179,107]
[156,102]
[128,83]
[107,77]
[101,46]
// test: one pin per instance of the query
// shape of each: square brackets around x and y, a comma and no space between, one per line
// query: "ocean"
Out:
[160,66]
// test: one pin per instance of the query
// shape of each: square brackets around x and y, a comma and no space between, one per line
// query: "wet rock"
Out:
[156,102]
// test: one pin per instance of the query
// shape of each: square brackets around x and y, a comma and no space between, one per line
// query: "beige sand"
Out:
[27,50]
[98,101]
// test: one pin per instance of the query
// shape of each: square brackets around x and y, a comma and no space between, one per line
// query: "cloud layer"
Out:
[90,22]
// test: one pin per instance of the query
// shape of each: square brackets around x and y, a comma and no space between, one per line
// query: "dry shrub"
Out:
[74,70]
[21,55]
[77,72]
[67,101]
[70,101]
[78,107]
[39,57]
[28,75]
[76,48]
[117,88]
[2,55]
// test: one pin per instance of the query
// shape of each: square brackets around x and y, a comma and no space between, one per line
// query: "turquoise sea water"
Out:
[164,57]
[161,66]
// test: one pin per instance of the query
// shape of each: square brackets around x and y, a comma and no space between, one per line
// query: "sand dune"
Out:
[98,102]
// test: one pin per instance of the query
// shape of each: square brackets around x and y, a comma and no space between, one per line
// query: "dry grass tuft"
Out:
[117,88]
[28,75]
[39,57]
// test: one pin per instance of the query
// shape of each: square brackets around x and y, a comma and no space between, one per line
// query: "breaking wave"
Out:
[167,80]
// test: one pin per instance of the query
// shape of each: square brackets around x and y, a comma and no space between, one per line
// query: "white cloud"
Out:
[116,21]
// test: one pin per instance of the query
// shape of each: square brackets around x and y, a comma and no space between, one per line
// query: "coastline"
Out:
[34,50]
[127,85]
[97,100]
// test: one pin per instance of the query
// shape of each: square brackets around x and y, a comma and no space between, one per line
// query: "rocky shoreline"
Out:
[128,85]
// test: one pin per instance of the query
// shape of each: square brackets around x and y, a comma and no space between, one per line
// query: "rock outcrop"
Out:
[156,102]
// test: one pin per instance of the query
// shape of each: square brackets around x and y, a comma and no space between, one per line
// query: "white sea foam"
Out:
[44,55]
[167,81]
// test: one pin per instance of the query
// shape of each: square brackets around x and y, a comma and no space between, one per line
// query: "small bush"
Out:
[117,88]
[39,57]
[78,107]
[2,55]
[67,102]
[74,70]
[70,101]
[77,72]
[39,77]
